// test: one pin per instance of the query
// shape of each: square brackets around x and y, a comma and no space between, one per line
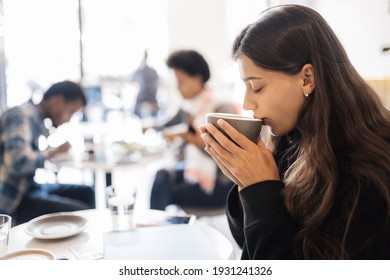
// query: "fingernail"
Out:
[220,122]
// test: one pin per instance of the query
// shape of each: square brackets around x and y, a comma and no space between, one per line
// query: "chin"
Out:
[275,132]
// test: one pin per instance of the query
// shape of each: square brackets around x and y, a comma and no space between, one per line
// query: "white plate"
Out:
[54,226]
[29,254]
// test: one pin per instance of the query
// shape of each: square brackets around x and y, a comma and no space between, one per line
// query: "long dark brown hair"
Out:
[345,127]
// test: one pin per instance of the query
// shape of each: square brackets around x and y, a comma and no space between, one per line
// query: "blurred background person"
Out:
[195,180]
[147,79]
[20,157]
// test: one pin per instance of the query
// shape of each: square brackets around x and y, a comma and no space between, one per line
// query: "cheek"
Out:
[58,116]
[182,87]
[188,90]
[284,112]
[63,117]
[183,91]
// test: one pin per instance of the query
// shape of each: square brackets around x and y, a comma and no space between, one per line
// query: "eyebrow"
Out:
[251,78]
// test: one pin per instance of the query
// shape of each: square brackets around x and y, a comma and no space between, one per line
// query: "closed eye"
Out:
[257,90]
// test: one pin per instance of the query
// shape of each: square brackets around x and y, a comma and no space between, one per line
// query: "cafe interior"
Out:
[100,44]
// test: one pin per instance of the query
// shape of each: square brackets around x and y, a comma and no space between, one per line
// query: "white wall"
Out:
[363,26]
[200,25]
[364,29]
[210,26]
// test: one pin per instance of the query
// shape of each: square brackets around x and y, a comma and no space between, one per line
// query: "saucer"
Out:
[54,226]
[29,254]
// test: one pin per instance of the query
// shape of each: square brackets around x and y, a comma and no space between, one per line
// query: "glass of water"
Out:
[120,202]
[5,225]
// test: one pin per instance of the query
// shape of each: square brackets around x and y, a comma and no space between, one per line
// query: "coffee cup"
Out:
[247,126]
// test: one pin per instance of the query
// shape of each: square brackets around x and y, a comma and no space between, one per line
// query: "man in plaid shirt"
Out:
[20,127]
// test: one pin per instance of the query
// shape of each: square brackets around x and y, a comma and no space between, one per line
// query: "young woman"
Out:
[320,187]
[195,180]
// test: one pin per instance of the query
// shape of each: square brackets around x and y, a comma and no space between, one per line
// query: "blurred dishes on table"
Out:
[55,226]
[127,151]
[30,254]
[116,152]
[175,130]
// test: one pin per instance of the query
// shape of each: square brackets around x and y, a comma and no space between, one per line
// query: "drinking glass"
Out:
[5,225]
[121,204]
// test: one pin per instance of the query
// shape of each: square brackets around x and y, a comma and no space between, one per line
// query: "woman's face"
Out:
[188,86]
[275,97]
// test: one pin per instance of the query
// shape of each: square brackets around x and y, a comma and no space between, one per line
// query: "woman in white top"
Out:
[196,181]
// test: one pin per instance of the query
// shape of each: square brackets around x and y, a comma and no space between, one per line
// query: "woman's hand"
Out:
[225,171]
[245,164]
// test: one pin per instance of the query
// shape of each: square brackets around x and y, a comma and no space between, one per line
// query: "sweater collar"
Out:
[294,136]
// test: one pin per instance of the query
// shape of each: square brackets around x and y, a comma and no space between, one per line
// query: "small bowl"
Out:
[247,126]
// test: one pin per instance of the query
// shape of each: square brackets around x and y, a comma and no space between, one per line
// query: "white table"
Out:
[89,243]
[106,166]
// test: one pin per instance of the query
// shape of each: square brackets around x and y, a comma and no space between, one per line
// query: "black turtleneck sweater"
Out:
[264,229]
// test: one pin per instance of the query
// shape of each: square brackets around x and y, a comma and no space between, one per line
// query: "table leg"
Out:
[108,179]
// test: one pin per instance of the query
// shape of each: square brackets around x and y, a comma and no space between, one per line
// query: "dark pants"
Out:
[171,188]
[52,198]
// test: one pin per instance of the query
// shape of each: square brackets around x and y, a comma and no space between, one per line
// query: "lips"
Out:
[264,120]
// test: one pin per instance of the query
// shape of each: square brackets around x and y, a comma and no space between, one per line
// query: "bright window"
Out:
[42,41]
[41,45]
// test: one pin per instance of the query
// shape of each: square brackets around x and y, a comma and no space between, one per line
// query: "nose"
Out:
[248,103]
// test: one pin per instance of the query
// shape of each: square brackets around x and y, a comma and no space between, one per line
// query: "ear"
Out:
[307,76]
